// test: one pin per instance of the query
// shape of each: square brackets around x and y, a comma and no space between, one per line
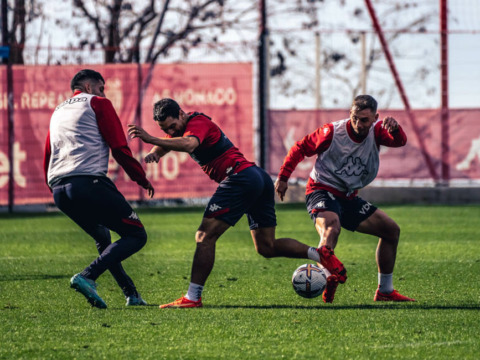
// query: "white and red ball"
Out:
[309,280]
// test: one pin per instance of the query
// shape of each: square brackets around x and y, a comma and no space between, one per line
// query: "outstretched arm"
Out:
[184,144]
[312,144]
[155,154]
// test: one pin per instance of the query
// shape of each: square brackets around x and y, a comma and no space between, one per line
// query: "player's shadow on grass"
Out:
[33,277]
[382,306]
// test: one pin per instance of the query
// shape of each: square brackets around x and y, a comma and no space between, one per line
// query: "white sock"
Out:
[194,292]
[313,254]
[385,283]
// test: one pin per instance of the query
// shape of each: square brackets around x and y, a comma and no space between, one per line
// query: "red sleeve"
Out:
[203,129]
[46,157]
[383,137]
[312,144]
[112,131]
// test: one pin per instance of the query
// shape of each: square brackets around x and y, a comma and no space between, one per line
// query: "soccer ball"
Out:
[309,280]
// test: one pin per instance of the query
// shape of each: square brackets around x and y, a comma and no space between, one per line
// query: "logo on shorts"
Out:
[352,167]
[214,207]
[133,216]
[365,208]
[321,205]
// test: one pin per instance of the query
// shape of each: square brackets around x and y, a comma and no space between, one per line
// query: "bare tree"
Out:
[16,32]
[20,15]
[123,28]
[293,52]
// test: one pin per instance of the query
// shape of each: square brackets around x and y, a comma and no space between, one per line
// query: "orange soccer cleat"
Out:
[329,292]
[183,302]
[331,263]
[393,296]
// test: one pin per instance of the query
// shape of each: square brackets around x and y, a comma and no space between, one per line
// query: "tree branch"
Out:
[93,19]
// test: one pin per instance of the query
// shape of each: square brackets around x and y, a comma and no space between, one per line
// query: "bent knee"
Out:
[330,229]
[391,233]
[333,231]
[142,237]
[395,232]
[202,237]
[138,233]
[137,238]
[266,251]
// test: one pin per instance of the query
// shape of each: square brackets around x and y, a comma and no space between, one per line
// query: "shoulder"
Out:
[320,137]
[102,106]
[327,130]
[339,123]
[201,121]
[197,115]
[100,101]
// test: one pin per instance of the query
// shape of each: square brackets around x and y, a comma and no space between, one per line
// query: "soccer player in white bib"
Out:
[347,160]
[83,130]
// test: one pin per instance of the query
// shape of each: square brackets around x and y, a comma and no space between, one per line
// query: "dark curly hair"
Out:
[165,108]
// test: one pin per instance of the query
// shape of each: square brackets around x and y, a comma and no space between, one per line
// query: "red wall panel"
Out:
[222,91]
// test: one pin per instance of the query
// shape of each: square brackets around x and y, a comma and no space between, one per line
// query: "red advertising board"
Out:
[222,91]
[406,164]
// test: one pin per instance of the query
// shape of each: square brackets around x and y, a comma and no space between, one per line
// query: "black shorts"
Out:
[95,200]
[350,212]
[248,192]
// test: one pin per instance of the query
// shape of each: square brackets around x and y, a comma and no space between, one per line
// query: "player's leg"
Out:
[102,238]
[325,211]
[222,211]
[93,201]
[268,246]
[381,225]
[203,261]
[263,221]
[328,228]
[113,212]
[204,258]
[386,229]
[68,204]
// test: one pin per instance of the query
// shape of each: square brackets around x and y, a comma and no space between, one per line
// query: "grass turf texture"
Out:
[250,309]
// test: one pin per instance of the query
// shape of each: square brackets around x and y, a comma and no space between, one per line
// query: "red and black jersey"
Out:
[216,154]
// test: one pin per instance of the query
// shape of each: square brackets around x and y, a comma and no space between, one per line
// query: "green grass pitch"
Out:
[250,309]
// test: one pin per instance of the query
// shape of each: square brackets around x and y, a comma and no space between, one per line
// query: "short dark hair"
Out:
[362,102]
[82,75]
[165,108]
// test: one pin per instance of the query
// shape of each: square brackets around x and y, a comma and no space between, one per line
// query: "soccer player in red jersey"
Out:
[83,130]
[243,188]
[347,160]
